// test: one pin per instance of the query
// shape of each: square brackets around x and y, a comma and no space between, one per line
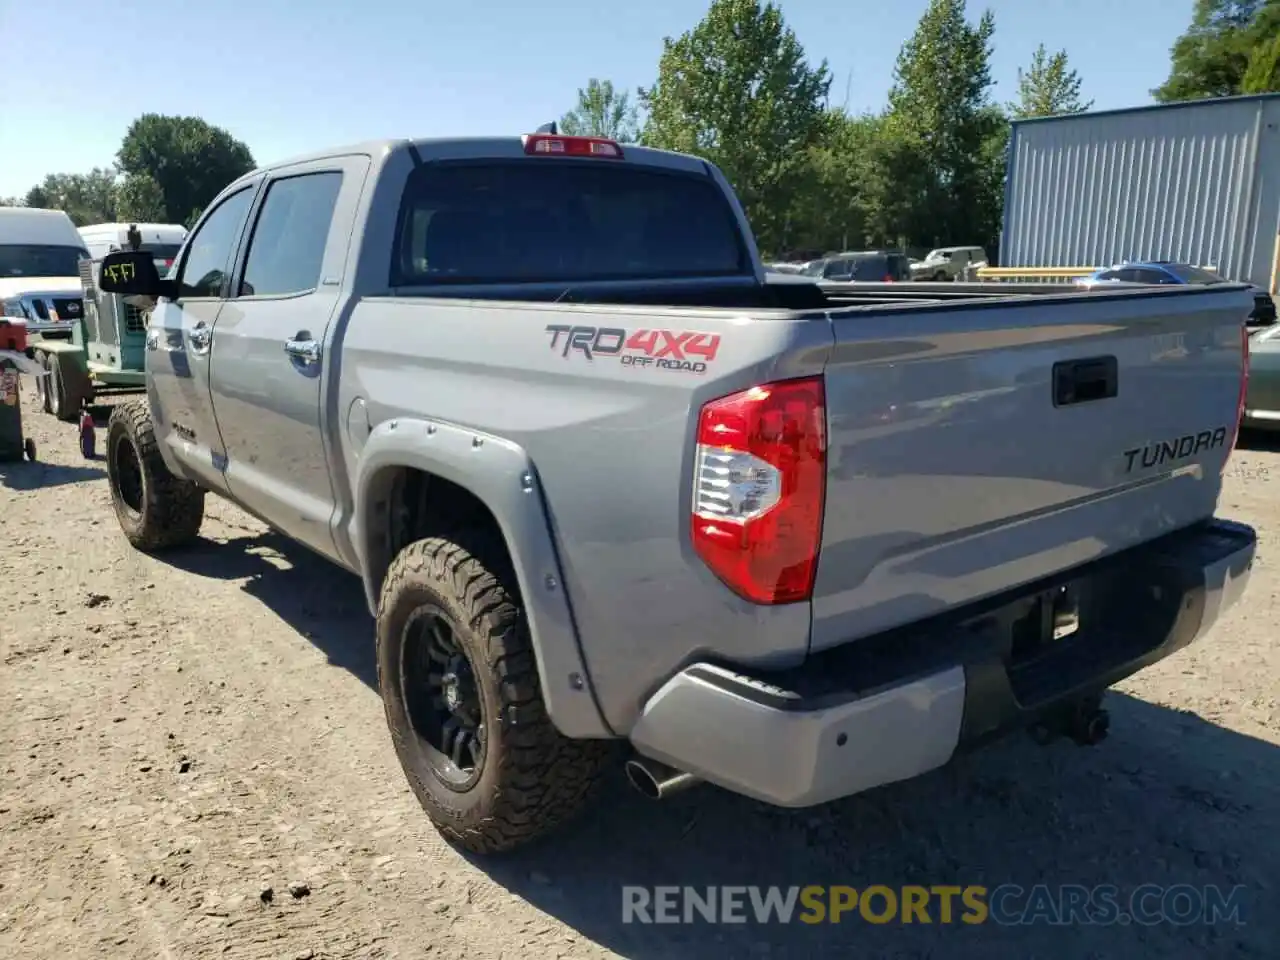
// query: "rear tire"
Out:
[60,402]
[156,510]
[43,385]
[449,610]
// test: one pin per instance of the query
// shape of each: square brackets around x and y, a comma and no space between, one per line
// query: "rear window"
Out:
[870,269]
[39,260]
[1190,274]
[532,221]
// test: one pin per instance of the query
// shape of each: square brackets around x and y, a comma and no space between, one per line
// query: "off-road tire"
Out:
[170,509]
[532,778]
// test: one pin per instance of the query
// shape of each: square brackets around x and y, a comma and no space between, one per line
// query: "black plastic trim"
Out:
[1137,607]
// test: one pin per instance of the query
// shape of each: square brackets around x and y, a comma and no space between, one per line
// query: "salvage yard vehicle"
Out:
[608,489]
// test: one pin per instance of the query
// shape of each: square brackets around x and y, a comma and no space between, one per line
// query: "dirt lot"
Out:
[180,736]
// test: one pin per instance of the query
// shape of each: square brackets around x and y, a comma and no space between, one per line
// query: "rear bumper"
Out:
[891,707]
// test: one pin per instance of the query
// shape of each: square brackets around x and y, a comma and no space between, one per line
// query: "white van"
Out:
[40,253]
[162,240]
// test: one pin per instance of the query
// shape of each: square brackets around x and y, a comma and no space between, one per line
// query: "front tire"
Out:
[460,689]
[156,510]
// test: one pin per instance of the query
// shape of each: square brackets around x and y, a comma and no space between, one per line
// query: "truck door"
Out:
[270,364]
[179,340]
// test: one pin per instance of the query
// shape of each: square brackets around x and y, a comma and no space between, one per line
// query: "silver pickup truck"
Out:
[608,487]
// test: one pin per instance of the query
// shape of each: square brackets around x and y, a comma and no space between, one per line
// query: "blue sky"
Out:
[289,76]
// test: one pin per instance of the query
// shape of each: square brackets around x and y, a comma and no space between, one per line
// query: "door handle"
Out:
[308,351]
[1083,381]
[201,336]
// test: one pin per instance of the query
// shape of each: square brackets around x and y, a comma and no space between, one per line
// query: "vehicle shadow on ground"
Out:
[320,601]
[25,475]
[1168,799]
[1261,440]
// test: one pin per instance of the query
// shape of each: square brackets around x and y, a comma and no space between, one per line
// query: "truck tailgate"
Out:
[974,447]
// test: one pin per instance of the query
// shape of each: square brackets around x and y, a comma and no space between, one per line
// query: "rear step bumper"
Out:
[891,707]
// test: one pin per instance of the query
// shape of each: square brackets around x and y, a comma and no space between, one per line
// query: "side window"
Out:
[210,247]
[287,247]
[837,270]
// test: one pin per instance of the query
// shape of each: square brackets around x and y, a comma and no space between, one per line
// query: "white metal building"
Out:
[1195,182]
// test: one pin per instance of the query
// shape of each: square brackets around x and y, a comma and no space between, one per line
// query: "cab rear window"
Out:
[542,221]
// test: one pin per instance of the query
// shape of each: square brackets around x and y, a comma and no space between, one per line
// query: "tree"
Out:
[189,160]
[738,90]
[86,197]
[1048,88]
[140,200]
[1263,72]
[1213,56]
[602,111]
[939,168]
[829,209]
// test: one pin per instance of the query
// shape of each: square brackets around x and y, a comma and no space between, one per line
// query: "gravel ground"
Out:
[195,764]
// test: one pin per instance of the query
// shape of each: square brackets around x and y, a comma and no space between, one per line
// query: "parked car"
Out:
[867,266]
[1262,396]
[603,486]
[947,263]
[1166,272]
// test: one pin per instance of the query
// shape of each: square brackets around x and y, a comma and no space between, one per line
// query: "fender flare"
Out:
[500,475]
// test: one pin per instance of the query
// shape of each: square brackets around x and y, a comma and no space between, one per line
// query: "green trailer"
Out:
[103,353]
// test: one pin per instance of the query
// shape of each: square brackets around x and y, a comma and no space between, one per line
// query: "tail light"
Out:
[554,145]
[760,474]
[1244,386]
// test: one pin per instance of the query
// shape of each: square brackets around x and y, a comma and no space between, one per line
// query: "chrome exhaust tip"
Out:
[656,780]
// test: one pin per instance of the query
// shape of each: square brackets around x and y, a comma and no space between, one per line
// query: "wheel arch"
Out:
[445,476]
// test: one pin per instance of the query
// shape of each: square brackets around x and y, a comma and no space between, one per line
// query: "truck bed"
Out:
[951,473]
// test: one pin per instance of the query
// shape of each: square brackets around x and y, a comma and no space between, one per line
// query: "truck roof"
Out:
[37,225]
[462,147]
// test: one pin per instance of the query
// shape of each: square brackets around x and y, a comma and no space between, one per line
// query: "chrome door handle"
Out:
[200,336]
[308,351]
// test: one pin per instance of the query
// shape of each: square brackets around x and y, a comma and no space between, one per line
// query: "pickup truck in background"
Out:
[607,488]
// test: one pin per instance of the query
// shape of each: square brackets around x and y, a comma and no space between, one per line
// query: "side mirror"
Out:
[132,273]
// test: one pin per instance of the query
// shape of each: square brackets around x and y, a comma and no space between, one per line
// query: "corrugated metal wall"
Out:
[1197,182]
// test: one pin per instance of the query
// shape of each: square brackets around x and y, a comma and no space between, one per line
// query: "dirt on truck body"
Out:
[606,486]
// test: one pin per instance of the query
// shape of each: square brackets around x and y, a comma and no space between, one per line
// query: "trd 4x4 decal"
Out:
[688,351]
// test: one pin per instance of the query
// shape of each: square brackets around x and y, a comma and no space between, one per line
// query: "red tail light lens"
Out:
[553,145]
[760,475]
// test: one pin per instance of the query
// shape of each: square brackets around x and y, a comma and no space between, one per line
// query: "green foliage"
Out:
[86,197]
[169,170]
[189,160]
[602,111]
[1048,88]
[738,90]
[1263,73]
[942,135]
[139,199]
[1219,48]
